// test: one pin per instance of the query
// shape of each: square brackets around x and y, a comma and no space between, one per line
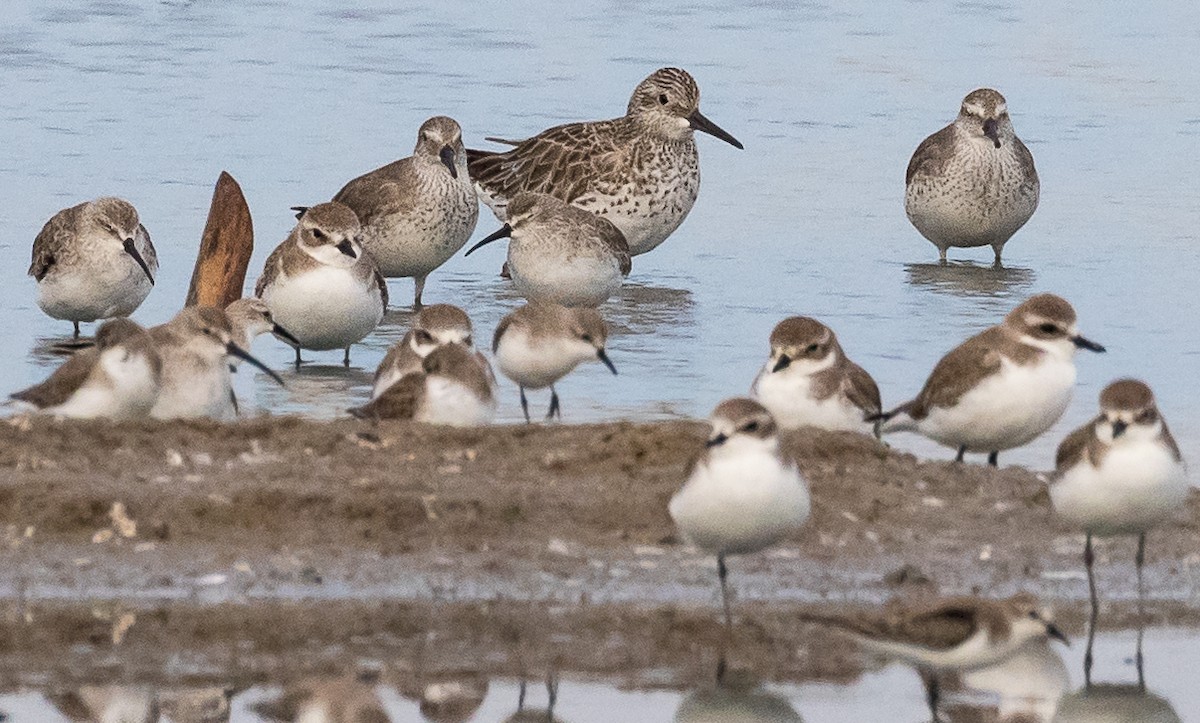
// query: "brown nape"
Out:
[441,316]
[799,331]
[115,331]
[1049,306]
[748,416]
[1126,394]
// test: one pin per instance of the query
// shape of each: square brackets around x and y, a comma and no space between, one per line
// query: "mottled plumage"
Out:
[418,211]
[973,183]
[640,171]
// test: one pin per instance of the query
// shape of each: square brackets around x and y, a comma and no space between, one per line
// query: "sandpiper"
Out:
[948,635]
[432,326]
[195,348]
[742,494]
[93,261]
[640,171]
[973,182]
[1003,387]
[452,388]
[124,703]
[418,211]
[1119,474]
[808,381]
[319,284]
[540,343]
[250,318]
[560,253]
[118,378]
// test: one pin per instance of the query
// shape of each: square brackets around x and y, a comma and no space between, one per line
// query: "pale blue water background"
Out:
[152,100]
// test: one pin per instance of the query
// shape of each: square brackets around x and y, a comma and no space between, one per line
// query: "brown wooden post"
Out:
[225,248]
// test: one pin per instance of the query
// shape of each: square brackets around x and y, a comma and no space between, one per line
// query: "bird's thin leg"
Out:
[551,690]
[524,405]
[942,256]
[933,694]
[962,450]
[994,458]
[1140,560]
[555,409]
[1089,557]
[998,250]
[521,696]
[76,323]
[346,358]
[417,293]
[723,575]
[297,357]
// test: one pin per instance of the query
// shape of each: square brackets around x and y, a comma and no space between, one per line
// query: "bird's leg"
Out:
[1089,557]
[524,405]
[297,358]
[723,575]
[521,696]
[962,450]
[997,249]
[76,323]
[420,280]
[554,407]
[994,458]
[551,690]
[942,256]
[933,694]
[1140,560]
[346,358]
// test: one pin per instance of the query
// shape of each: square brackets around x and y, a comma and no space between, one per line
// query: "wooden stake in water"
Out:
[225,248]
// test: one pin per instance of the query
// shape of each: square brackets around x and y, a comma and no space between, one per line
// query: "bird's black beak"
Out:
[1054,632]
[132,251]
[783,363]
[284,334]
[602,356]
[1119,428]
[237,351]
[700,123]
[447,156]
[347,248]
[991,130]
[1088,344]
[300,211]
[503,232]
[716,441]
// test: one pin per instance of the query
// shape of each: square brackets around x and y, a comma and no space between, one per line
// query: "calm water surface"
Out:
[152,100]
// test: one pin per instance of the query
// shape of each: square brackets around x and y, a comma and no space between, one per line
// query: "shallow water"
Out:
[151,101]
[1037,685]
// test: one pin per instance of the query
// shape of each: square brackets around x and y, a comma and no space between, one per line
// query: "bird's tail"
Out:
[474,155]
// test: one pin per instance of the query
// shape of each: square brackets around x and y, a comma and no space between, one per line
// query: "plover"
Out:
[808,381]
[432,326]
[325,700]
[1003,387]
[973,182]
[418,211]
[195,348]
[640,171]
[1119,474]
[452,388]
[948,635]
[118,378]
[742,494]
[540,343]
[560,253]
[319,284]
[93,261]
[250,318]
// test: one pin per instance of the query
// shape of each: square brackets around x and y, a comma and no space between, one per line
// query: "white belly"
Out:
[1006,410]
[533,367]
[325,308]
[112,285]
[1137,486]
[788,397]
[124,387]
[741,504]
[192,389]
[447,402]
[582,280]
[418,241]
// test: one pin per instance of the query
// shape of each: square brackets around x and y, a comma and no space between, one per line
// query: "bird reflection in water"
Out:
[737,697]
[962,278]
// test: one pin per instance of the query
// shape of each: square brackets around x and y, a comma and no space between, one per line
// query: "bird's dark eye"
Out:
[662,99]
[1147,416]
[318,234]
[424,337]
[1033,615]
[750,427]
[586,337]
[811,348]
[467,340]
[1048,328]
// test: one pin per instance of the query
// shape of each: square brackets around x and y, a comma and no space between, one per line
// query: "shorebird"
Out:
[808,381]
[418,211]
[736,698]
[560,253]
[973,182]
[347,699]
[452,388]
[250,318]
[93,261]
[1119,474]
[743,494]
[124,703]
[640,171]
[195,348]
[432,326]
[540,343]
[1109,703]
[947,635]
[320,285]
[1001,388]
[118,378]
